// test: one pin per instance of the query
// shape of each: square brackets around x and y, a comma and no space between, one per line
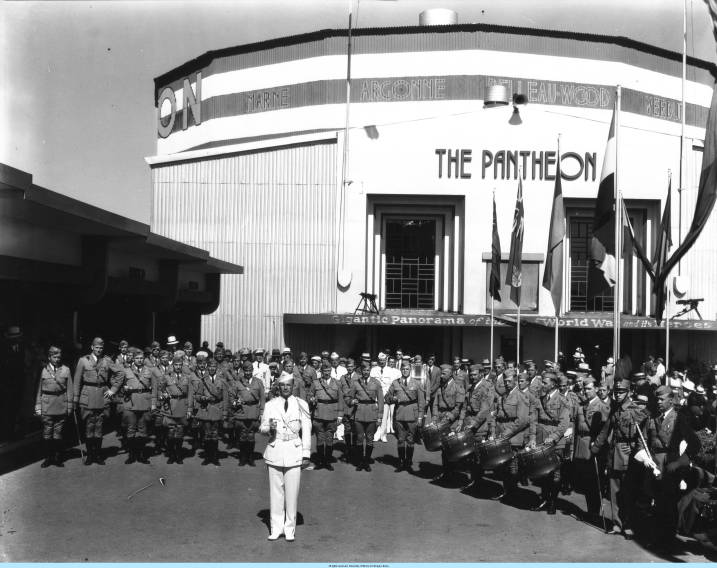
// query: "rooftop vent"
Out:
[437,17]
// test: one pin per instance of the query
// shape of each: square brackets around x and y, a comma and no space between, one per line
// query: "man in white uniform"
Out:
[287,421]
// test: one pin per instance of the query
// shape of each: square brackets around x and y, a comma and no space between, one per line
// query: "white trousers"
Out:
[284,485]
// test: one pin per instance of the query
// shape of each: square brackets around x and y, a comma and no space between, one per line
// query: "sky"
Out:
[76,78]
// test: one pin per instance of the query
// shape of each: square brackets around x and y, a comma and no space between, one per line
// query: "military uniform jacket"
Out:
[620,430]
[211,397]
[664,435]
[246,399]
[479,404]
[533,402]
[591,417]
[411,400]
[449,400]
[536,386]
[511,416]
[329,402]
[136,386]
[123,361]
[151,361]
[91,381]
[171,394]
[345,388]
[550,420]
[54,395]
[265,373]
[369,395]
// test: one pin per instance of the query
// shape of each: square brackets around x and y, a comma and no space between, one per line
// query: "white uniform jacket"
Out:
[293,432]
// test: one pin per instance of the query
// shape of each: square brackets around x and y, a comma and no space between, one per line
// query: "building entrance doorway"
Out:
[410,263]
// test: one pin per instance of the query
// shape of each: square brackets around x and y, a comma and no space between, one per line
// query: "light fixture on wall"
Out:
[498,96]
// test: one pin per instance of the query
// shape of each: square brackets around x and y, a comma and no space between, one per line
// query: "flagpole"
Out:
[682,131]
[557,308]
[668,202]
[517,343]
[492,304]
[618,232]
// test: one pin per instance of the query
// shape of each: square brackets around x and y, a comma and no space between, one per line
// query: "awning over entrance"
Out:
[438,319]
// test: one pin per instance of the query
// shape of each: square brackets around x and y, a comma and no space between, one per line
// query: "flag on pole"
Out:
[602,268]
[515,262]
[494,284]
[553,275]
[706,194]
[664,242]
[630,245]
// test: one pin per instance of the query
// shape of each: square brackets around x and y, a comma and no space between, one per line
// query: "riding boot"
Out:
[99,460]
[57,446]
[553,498]
[90,447]
[328,456]
[408,466]
[48,447]
[360,458]
[319,457]
[207,452]
[250,453]
[243,451]
[171,451]
[401,459]
[367,458]
[131,451]
[142,451]
[215,452]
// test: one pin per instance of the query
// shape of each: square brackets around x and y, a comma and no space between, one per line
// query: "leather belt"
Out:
[547,422]
[659,451]
[54,392]
[367,402]
[93,384]
[327,401]
[175,396]
[504,419]
[135,391]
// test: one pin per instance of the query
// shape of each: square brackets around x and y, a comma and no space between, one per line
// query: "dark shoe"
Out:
[215,452]
[171,451]
[99,460]
[142,452]
[90,451]
[501,495]
[49,454]
[401,460]
[408,464]
[359,467]
[179,451]
[243,451]
[628,533]
[328,456]
[131,451]
[552,507]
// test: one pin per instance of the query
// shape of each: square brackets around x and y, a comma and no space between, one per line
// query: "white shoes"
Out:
[274,536]
[289,537]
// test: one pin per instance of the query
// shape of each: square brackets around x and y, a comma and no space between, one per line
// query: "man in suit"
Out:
[287,421]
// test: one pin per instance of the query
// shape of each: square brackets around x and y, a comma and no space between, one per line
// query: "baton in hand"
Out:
[602,504]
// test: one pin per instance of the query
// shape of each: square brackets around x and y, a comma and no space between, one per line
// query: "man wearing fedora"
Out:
[12,380]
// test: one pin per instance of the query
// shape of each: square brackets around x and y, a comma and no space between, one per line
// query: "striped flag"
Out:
[664,242]
[494,284]
[630,245]
[514,275]
[553,275]
[602,269]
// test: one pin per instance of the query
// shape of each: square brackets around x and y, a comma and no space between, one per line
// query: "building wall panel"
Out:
[273,212]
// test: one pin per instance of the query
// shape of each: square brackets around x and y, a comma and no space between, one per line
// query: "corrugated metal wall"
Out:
[273,212]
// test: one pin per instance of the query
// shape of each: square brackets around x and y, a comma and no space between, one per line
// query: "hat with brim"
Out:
[258,351]
[285,378]
[13,332]
[623,385]
[641,399]
[486,362]
[171,340]
[446,367]
[316,358]
[202,355]
[286,351]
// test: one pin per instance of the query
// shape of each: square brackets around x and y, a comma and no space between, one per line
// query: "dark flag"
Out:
[494,285]
[706,195]
[630,245]
[602,268]
[515,262]
[553,275]
[664,242]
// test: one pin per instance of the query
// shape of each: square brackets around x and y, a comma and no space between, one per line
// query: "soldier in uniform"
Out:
[458,374]
[408,397]
[157,422]
[172,397]
[194,425]
[135,384]
[666,433]
[535,381]
[246,405]
[447,407]
[328,409]
[592,414]
[152,359]
[54,404]
[223,362]
[477,415]
[190,361]
[345,384]
[620,433]
[287,421]
[211,399]
[510,420]
[90,385]
[548,424]
[569,390]
[366,403]
[299,388]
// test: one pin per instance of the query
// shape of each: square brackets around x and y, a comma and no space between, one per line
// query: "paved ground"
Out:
[219,514]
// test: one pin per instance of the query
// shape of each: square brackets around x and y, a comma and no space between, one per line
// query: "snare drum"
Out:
[538,462]
[458,446]
[494,453]
[432,434]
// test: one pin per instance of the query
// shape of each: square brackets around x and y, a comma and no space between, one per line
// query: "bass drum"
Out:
[433,433]
[494,453]
[458,446]
[538,462]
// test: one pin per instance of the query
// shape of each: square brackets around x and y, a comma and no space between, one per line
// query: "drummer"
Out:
[510,409]
[524,384]
[548,424]
[447,407]
[477,414]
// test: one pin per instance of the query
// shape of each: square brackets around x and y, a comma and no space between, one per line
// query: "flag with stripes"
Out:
[602,268]
[662,249]
[514,275]
[494,284]
[553,275]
